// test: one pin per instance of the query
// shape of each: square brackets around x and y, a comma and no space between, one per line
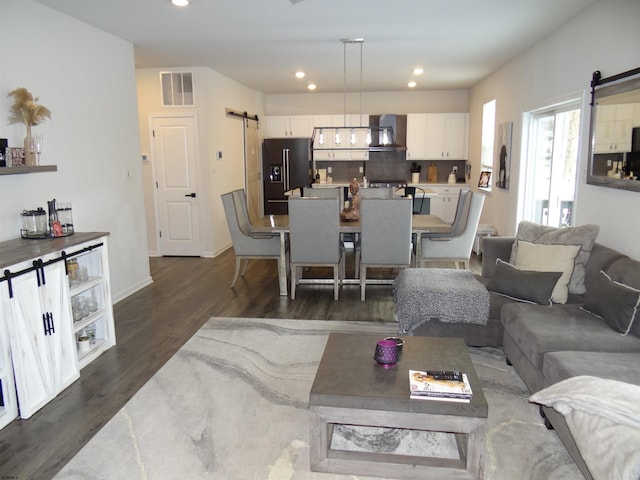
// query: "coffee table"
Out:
[350,388]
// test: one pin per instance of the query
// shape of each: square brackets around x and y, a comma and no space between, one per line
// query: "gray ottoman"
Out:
[444,295]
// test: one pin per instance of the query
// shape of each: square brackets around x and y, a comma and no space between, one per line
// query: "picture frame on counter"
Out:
[485,178]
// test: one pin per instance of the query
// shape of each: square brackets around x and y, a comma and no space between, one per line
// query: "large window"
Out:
[488,137]
[551,165]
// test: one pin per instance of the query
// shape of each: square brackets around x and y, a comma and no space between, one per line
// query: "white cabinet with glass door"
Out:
[93,325]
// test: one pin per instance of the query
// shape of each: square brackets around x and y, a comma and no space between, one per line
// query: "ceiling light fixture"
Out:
[311,86]
[180,3]
[418,71]
[411,84]
[300,74]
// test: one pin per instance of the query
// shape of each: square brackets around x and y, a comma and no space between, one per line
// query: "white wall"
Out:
[217,131]
[432,101]
[604,37]
[86,78]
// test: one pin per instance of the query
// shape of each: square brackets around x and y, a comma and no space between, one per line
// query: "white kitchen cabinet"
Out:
[444,203]
[614,125]
[437,136]
[289,126]
[38,317]
[39,354]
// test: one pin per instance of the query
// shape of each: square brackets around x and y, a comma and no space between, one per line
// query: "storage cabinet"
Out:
[289,126]
[41,321]
[437,136]
[38,316]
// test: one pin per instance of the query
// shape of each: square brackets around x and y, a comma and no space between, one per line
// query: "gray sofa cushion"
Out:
[537,329]
[615,303]
[523,285]
[624,367]
[584,235]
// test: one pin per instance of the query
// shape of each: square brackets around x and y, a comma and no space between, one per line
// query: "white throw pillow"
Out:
[549,258]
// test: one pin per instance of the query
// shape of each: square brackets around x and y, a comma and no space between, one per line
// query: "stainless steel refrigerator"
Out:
[286,165]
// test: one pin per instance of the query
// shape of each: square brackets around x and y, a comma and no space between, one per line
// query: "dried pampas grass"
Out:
[25,109]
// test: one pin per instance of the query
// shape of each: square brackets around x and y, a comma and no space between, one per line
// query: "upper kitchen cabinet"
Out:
[437,136]
[614,125]
[289,126]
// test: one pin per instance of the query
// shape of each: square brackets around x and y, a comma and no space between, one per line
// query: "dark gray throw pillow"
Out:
[525,285]
[615,303]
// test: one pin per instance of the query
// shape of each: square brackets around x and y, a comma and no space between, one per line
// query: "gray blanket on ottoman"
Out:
[453,296]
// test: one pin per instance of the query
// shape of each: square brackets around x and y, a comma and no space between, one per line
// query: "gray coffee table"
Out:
[350,388]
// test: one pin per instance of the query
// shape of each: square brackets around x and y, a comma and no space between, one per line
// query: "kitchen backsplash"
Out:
[391,166]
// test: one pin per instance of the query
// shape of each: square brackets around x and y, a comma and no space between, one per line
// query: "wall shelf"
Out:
[24,169]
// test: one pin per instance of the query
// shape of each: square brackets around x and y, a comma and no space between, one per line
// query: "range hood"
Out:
[395,123]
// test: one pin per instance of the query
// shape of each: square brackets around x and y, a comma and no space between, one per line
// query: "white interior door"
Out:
[175,160]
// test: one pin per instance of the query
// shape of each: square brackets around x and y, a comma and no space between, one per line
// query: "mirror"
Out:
[614,150]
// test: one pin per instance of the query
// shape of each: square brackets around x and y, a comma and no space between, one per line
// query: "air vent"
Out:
[177,89]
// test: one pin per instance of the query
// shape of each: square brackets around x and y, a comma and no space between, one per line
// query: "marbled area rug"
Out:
[232,405]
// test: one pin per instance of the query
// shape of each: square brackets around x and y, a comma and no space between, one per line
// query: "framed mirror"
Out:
[614,149]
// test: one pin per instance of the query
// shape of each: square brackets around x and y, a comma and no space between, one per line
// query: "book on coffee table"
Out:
[439,385]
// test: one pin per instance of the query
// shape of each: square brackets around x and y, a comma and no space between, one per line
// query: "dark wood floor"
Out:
[151,326]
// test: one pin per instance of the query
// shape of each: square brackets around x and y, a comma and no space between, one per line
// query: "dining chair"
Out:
[457,248]
[314,238]
[385,239]
[411,192]
[459,219]
[326,192]
[246,244]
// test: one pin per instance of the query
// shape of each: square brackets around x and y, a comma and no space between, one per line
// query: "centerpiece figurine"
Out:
[352,212]
[25,109]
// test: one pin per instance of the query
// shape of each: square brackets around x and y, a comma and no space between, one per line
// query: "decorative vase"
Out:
[29,151]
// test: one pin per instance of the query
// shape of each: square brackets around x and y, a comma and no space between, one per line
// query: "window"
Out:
[177,89]
[488,138]
[550,167]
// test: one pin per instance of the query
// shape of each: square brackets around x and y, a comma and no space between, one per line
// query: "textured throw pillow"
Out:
[584,235]
[615,303]
[549,258]
[525,285]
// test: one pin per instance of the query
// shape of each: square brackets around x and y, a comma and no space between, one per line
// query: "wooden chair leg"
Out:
[237,272]
[294,270]
[363,281]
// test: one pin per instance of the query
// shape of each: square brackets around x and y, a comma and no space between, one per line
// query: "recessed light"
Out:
[180,3]
[311,86]
[418,71]
[300,74]
[411,84]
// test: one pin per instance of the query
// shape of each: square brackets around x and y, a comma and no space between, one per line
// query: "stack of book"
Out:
[439,385]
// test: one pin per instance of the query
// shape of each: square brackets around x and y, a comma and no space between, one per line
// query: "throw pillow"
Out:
[584,235]
[525,285]
[549,258]
[616,303]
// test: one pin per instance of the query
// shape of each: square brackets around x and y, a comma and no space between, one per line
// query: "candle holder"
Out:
[386,353]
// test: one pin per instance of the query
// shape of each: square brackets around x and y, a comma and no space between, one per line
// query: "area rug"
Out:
[232,404]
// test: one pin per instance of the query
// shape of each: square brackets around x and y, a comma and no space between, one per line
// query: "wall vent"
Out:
[177,89]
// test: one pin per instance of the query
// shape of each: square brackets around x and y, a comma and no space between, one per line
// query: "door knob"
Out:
[192,194]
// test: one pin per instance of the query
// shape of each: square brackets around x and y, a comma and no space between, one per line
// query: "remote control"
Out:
[445,375]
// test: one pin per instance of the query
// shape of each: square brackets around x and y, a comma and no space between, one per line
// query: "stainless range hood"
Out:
[389,122]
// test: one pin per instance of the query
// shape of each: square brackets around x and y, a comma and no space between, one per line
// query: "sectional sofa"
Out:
[595,333]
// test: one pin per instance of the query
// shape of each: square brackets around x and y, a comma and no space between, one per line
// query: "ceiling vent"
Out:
[177,89]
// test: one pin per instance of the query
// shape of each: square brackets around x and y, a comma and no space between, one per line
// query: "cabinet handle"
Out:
[47,322]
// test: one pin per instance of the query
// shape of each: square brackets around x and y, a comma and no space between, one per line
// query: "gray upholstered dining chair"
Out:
[314,238]
[247,245]
[385,239]
[459,219]
[457,248]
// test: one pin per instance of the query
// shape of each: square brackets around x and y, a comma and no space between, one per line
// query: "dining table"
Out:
[279,224]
